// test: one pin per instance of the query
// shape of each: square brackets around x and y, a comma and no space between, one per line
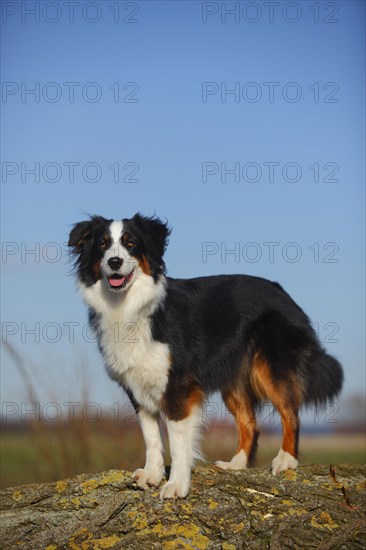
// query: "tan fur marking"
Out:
[196,397]
[245,420]
[279,394]
[145,266]
[96,269]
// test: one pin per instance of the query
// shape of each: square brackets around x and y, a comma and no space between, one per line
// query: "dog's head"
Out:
[118,252]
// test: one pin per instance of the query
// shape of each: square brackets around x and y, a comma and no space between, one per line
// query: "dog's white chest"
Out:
[136,360]
[132,356]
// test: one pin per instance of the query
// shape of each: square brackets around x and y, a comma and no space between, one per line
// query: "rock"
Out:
[312,507]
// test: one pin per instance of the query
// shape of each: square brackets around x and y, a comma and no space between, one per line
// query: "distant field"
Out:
[48,454]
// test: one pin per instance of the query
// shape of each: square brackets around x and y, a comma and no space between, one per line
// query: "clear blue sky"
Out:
[167,124]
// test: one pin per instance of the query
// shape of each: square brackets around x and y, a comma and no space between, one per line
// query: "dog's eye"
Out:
[103,245]
[130,244]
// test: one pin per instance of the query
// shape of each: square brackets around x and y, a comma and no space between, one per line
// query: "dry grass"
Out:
[108,444]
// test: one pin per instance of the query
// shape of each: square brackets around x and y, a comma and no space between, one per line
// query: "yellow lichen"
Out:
[51,547]
[275,491]
[17,496]
[187,507]
[60,486]
[290,474]
[140,523]
[330,486]
[237,528]
[114,477]
[105,542]
[63,502]
[287,502]
[70,503]
[159,529]
[324,521]
[76,502]
[297,512]
[212,504]
[227,546]
[91,484]
[83,533]
[188,534]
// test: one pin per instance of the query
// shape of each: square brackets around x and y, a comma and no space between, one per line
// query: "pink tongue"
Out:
[117,282]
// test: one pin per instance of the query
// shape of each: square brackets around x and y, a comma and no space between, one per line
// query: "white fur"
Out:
[116,231]
[132,356]
[119,251]
[184,449]
[283,461]
[153,471]
[238,462]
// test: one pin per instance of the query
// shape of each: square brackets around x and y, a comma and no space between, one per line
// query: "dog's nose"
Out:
[115,263]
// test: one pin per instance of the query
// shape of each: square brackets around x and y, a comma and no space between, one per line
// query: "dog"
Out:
[170,343]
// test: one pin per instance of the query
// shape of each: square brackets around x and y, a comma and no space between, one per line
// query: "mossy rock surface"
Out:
[307,508]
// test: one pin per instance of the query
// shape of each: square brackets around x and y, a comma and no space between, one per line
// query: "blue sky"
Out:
[176,131]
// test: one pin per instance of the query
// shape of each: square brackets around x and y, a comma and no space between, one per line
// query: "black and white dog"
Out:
[172,342]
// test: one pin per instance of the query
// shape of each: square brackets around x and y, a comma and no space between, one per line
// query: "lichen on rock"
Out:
[309,508]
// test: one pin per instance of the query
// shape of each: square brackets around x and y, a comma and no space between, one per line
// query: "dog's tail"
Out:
[326,379]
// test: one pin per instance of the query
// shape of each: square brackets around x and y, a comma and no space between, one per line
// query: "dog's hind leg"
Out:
[286,396]
[243,412]
[287,455]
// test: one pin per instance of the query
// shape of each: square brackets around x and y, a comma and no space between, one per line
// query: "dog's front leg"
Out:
[153,471]
[183,441]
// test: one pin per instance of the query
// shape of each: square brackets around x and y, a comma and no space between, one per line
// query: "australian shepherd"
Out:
[172,342]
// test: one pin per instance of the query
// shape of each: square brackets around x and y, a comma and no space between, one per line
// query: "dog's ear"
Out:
[83,232]
[155,232]
[80,234]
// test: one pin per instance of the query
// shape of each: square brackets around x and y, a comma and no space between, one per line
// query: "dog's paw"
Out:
[173,489]
[144,477]
[283,461]
[238,462]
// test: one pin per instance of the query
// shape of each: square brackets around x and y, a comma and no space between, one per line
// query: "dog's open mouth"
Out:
[119,281]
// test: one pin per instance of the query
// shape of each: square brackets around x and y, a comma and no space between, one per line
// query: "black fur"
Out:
[213,323]
[151,236]
[83,241]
